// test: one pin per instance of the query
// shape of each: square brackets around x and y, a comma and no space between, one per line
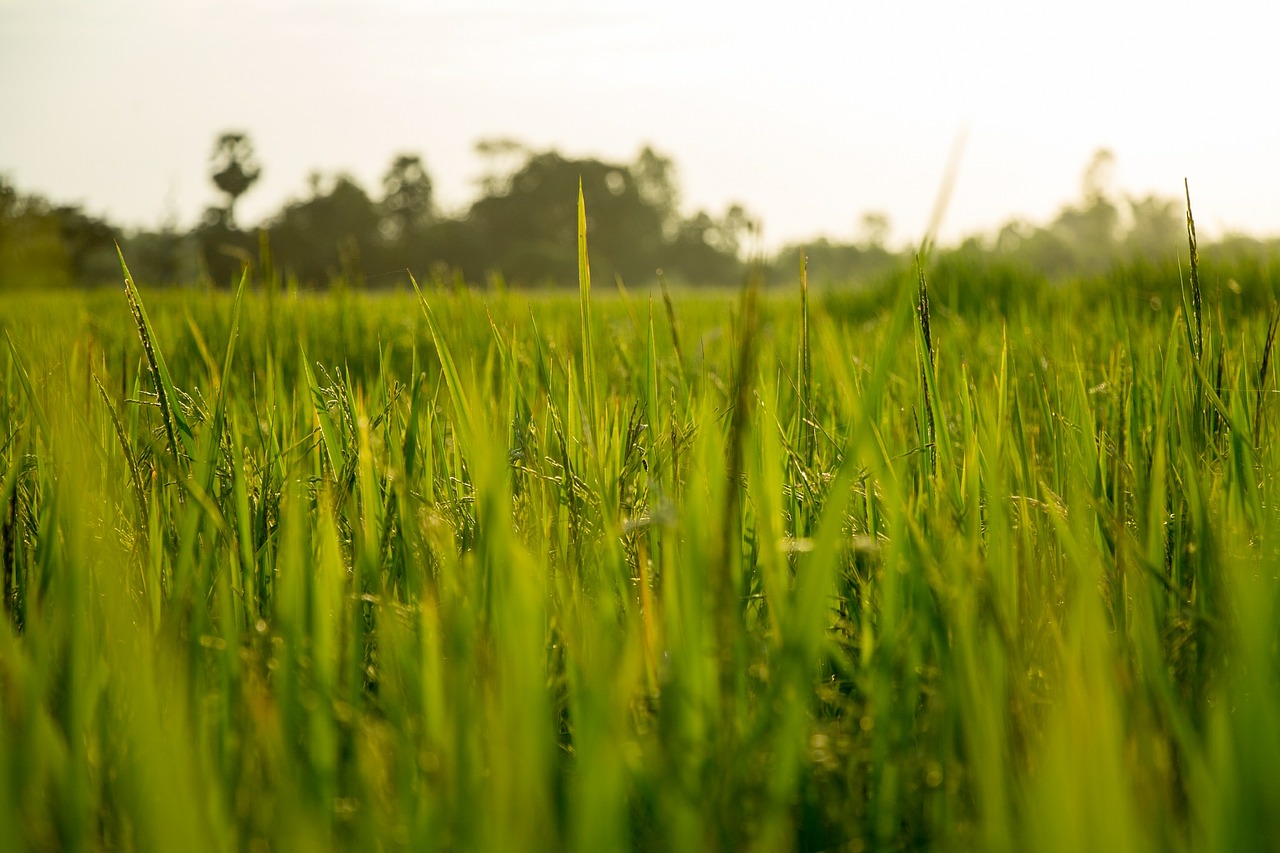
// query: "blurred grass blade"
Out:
[37,411]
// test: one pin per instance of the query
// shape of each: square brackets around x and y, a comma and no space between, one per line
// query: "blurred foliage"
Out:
[45,246]
[326,237]
[519,233]
[1101,242]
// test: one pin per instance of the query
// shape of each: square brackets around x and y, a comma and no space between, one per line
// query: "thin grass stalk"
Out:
[1263,368]
[589,392]
[807,428]
[1196,301]
[926,365]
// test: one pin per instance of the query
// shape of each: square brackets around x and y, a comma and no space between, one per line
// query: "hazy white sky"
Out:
[808,112]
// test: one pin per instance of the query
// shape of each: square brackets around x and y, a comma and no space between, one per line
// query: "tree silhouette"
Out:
[704,250]
[235,168]
[873,229]
[406,198]
[45,245]
[503,158]
[531,228]
[655,179]
[327,236]
[1156,226]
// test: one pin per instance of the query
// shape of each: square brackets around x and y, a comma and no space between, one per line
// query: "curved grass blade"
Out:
[208,456]
[135,473]
[177,430]
[36,410]
[462,409]
[329,433]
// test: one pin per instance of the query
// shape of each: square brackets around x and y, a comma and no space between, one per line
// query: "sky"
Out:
[809,113]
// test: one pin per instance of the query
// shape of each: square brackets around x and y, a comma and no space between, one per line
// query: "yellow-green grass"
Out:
[505,572]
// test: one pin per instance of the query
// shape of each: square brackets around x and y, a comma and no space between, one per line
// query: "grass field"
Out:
[729,571]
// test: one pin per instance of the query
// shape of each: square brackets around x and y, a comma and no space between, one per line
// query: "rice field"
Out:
[632,570]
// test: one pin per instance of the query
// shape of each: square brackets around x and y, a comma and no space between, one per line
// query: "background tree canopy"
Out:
[521,231]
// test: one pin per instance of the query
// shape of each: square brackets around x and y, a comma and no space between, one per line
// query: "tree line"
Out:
[521,232]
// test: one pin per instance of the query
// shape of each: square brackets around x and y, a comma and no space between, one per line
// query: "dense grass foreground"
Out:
[723,573]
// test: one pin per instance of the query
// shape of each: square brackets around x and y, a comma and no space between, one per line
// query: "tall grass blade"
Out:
[177,429]
[1197,309]
[589,392]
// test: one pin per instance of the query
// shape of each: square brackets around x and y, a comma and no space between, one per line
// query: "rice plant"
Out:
[456,570]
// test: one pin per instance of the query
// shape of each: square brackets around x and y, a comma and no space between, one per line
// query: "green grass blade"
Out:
[177,429]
